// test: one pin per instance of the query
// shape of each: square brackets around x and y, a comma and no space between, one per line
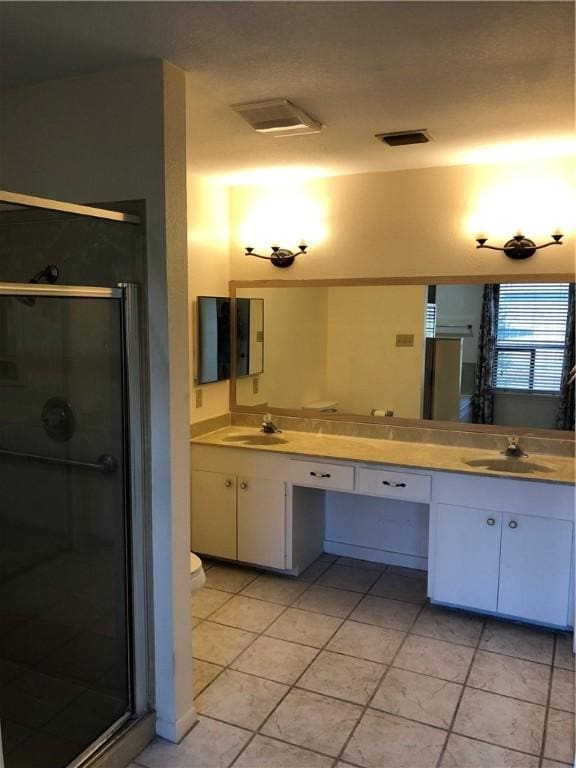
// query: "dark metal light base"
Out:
[282,258]
[519,249]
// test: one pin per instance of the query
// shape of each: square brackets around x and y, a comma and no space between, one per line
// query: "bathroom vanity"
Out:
[492,540]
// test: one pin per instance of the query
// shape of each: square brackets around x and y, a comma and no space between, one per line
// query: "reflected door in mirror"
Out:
[214,336]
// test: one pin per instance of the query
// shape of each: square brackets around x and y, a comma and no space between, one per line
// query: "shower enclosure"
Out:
[70,482]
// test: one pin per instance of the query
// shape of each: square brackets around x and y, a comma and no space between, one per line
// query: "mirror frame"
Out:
[453,426]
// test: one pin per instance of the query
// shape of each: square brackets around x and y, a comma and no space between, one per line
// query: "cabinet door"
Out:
[466,556]
[261,522]
[213,514]
[535,568]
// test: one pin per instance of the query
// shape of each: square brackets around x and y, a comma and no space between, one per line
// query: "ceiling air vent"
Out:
[401,138]
[278,117]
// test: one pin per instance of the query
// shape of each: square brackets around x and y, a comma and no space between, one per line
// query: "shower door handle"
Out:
[105,463]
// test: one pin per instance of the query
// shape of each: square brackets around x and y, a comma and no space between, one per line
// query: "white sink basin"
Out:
[259,439]
[516,466]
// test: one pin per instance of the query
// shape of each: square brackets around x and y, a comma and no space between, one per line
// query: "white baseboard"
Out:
[376,555]
[175,731]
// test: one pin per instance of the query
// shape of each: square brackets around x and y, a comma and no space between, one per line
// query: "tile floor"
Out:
[348,665]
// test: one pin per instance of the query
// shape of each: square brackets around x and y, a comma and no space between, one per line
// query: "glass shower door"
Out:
[65,657]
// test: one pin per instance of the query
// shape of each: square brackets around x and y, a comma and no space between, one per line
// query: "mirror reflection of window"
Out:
[530,336]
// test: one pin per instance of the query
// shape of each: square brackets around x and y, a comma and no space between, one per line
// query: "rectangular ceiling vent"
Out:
[401,138]
[278,117]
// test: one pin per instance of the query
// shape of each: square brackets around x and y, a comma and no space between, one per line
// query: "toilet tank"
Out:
[326,406]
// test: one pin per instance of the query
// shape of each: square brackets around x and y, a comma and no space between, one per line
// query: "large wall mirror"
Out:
[464,353]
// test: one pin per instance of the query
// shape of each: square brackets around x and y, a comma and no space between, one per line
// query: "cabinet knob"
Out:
[228,483]
[512,524]
[243,486]
[490,521]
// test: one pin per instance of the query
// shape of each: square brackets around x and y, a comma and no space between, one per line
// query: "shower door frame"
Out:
[138,537]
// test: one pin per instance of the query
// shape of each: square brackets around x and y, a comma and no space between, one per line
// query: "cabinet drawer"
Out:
[320,475]
[396,485]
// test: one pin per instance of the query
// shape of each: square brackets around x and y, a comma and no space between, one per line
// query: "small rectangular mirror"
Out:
[213,319]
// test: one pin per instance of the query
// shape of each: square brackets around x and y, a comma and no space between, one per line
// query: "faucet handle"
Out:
[513,440]
[268,425]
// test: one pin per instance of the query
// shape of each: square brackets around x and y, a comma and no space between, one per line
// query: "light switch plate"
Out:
[255,385]
[404,339]
[198,398]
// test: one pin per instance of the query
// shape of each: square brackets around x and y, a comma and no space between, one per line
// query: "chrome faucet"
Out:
[268,425]
[513,448]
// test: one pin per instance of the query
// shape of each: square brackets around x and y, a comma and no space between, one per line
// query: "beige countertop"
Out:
[536,467]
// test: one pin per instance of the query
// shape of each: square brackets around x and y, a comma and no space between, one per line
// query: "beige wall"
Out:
[364,367]
[294,348]
[456,304]
[208,275]
[340,344]
[415,223]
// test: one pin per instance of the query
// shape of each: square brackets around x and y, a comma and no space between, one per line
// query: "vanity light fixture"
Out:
[519,247]
[280,257]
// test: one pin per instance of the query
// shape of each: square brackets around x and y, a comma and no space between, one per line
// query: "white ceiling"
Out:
[477,74]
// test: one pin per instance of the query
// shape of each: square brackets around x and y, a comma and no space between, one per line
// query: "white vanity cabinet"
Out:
[535,568]
[243,507]
[513,556]
[261,521]
[238,517]
[497,545]
[465,556]
[213,518]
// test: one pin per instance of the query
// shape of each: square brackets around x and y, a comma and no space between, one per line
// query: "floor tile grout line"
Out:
[379,685]
[244,748]
[261,634]
[293,686]
[342,620]
[388,668]
[323,648]
[462,692]
[204,618]
[458,612]
[307,667]
[314,582]
[264,736]
[491,744]
[239,592]
[505,695]
[258,731]
[518,658]
[548,702]
[513,698]
[228,667]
